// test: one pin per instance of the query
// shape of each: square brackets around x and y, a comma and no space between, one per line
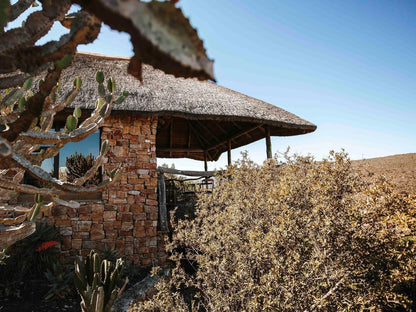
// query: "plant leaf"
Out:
[176,50]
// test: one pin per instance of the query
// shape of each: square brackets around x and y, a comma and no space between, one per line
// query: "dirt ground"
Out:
[400,169]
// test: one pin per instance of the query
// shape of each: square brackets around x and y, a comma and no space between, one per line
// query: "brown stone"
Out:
[120,151]
[85,209]
[110,234]
[89,245]
[83,226]
[126,226]
[136,208]
[97,235]
[66,243]
[97,216]
[151,232]
[123,209]
[139,232]
[97,208]
[125,233]
[108,225]
[126,216]
[139,216]
[85,217]
[119,244]
[63,222]
[151,202]
[76,244]
[118,200]
[109,215]
[80,235]
[65,230]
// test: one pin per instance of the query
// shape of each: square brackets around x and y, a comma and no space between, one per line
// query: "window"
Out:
[57,165]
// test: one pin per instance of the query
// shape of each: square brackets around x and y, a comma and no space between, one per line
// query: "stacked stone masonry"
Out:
[126,217]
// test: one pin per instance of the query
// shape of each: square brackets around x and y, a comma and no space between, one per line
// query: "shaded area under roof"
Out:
[195,118]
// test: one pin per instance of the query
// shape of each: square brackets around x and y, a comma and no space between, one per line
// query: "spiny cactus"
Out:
[23,153]
[78,165]
[96,282]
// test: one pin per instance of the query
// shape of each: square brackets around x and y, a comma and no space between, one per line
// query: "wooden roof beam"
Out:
[200,138]
[180,150]
[206,129]
[236,136]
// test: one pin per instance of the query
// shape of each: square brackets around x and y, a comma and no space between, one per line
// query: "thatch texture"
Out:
[194,116]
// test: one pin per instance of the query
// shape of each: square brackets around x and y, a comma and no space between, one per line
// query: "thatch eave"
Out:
[192,115]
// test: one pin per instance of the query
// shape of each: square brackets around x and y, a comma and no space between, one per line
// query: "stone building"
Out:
[166,117]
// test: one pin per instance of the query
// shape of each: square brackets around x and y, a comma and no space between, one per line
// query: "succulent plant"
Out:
[78,165]
[96,282]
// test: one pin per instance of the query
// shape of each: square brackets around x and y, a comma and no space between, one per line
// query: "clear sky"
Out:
[347,66]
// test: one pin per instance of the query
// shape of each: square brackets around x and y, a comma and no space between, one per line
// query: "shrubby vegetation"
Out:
[303,236]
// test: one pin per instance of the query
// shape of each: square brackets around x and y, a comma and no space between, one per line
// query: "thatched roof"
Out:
[193,115]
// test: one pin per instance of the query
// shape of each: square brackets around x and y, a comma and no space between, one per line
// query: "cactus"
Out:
[78,165]
[96,282]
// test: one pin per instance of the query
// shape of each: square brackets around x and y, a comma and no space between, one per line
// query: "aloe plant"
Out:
[96,282]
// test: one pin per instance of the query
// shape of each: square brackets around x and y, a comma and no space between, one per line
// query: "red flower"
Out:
[46,245]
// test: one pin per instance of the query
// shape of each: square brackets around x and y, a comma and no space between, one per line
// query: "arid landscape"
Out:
[400,169]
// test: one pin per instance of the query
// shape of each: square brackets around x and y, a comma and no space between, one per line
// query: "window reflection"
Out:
[56,166]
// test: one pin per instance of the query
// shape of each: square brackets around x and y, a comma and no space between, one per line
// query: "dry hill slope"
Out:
[400,169]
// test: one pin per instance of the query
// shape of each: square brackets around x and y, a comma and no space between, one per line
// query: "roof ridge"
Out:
[111,57]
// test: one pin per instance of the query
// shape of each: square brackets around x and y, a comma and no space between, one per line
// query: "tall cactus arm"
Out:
[57,186]
[34,107]
[37,137]
[84,29]
[18,8]
[176,50]
[37,25]
[14,233]
[18,78]
[5,148]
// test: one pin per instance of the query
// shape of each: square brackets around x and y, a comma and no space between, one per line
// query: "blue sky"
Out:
[347,66]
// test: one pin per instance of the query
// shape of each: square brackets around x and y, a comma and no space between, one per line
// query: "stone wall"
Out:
[126,217]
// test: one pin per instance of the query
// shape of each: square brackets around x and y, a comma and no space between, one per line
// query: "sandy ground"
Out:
[400,169]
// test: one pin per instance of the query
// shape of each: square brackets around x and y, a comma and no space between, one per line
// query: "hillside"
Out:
[400,169]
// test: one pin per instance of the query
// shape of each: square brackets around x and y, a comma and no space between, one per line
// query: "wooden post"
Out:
[56,166]
[229,153]
[268,143]
[171,137]
[163,213]
[205,161]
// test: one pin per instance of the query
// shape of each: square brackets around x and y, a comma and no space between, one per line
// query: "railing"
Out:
[171,195]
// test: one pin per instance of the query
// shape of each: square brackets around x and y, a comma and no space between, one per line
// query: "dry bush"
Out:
[305,236]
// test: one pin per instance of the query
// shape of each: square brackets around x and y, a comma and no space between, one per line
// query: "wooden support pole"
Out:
[171,137]
[268,143]
[205,161]
[163,213]
[229,153]
[56,166]
[186,172]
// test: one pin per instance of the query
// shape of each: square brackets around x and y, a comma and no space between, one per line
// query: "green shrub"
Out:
[303,236]
[60,279]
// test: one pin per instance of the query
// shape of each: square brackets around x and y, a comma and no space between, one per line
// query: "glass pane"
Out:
[47,165]
[90,145]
